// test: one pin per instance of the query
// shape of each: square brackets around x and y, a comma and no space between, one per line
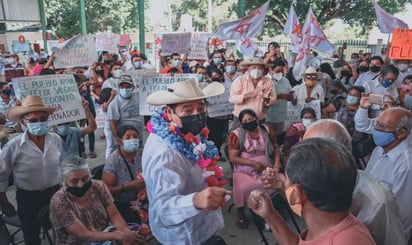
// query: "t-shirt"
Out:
[348,231]
[64,212]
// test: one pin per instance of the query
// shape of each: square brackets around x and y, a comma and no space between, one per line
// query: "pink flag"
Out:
[247,27]
[387,22]
[293,29]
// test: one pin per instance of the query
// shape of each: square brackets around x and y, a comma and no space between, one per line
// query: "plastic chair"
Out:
[45,224]
[97,172]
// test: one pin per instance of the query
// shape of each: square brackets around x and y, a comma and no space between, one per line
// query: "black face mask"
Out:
[193,124]
[100,72]
[363,68]
[375,69]
[79,191]
[216,79]
[252,125]
[108,62]
[345,73]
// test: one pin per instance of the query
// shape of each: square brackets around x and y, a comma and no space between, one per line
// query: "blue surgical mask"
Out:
[386,83]
[383,138]
[230,69]
[126,92]
[63,129]
[352,100]
[307,122]
[137,65]
[38,128]
[217,61]
[131,145]
[200,77]
[176,63]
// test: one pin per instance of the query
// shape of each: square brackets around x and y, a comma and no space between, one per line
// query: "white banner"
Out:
[76,52]
[295,110]
[176,43]
[99,116]
[58,91]
[219,105]
[199,45]
[107,41]
[139,75]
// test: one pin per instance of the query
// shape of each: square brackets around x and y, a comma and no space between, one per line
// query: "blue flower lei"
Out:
[161,127]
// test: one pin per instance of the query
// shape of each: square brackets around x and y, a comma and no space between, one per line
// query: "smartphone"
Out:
[376,99]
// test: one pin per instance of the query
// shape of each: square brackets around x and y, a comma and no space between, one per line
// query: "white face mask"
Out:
[307,122]
[256,73]
[117,73]
[277,76]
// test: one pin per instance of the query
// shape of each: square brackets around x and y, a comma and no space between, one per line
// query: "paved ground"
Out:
[231,233]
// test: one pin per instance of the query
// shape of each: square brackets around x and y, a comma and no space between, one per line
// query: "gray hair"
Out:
[330,129]
[69,164]
[405,120]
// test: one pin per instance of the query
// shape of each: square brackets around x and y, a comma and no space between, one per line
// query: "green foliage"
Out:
[63,16]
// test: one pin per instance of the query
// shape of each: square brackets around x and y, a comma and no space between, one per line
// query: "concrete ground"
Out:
[231,233]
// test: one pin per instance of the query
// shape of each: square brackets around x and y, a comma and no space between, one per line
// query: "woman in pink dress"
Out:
[252,148]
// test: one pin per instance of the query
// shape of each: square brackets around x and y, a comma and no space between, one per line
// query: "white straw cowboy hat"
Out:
[184,91]
[29,104]
[255,61]
[311,71]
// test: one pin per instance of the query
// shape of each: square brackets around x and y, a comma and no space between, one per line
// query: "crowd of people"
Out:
[344,166]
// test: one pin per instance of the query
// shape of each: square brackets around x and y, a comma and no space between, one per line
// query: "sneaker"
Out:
[92,154]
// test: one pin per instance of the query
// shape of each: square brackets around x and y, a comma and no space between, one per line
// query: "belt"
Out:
[47,190]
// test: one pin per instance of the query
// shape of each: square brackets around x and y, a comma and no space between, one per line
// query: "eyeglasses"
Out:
[312,77]
[35,120]
[382,126]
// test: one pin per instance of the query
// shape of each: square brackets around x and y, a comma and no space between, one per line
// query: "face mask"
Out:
[402,67]
[277,76]
[99,72]
[7,91]
[137,65]
[131,145]
[375,69]
[217,61]
[382,138]
[63,130]
[256,73]
[216,79]
[352,100]
[408,101]
[296,208]
[107,62]
[355,61]
[126,92]
[200,77]
[250,126]
[363,68]
[385,83]
[38,128]
[405,88]
[230,69]
[117,73]
[176,63]
[307,122]
[79,191]
[345,73]
[193,124]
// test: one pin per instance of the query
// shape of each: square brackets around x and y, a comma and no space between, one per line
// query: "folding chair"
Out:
[45,224]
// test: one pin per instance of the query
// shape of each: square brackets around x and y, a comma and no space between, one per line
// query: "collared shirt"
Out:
[171,181]
[126,112]
[375,87]
[301,92]
[229,80]
[243,85]
[395,170]
[279,111]
[32,168]
[374,205]
[4,108]
[364,78]
[112,83]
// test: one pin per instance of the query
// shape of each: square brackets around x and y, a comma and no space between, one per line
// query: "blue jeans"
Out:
[29,204]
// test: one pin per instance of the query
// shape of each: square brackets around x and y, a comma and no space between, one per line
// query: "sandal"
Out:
[242,223]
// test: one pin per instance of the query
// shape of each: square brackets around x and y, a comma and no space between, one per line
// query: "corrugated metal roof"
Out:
[19,10]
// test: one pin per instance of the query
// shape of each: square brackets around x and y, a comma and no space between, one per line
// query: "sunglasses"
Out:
[35,120]
[312,77]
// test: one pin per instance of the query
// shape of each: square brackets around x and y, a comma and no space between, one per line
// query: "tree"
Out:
[353,12]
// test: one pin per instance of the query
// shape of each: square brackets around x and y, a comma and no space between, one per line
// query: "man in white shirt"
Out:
[375,67]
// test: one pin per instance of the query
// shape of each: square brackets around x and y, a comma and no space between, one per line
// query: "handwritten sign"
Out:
[401,45]
[100,121]
[149,85]
[176,43]
[139,75]
[58,91]
[107,41]
[294,110]
[199,45]
[219,105]
[76,52]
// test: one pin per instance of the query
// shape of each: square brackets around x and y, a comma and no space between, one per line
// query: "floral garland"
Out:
[196,148]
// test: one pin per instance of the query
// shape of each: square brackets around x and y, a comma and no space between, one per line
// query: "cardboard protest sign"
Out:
[58,91]
[107,41]
[401,45]
[199,45]
[149,85]
[176,43]
[139,75]
[76,52]
[294,110]
[219,105]
[100,121]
